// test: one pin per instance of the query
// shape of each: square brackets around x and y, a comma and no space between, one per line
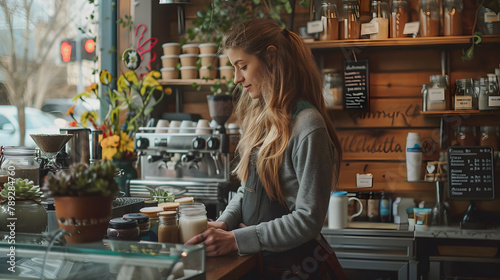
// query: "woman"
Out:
[289,153]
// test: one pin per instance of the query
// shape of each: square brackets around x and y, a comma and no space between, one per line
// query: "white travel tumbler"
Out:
[413,156]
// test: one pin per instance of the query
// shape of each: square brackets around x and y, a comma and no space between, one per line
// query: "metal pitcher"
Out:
[78,148]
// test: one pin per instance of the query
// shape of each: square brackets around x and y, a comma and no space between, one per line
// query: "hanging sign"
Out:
[356,85]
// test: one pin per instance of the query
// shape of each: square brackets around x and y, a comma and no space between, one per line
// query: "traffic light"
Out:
[88,49]
[68,50]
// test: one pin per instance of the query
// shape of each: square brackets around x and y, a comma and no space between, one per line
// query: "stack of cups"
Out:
[169,60]
[208,60]
[188,59]
[225,69]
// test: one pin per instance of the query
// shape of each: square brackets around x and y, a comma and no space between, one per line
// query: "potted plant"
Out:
[83,199]
[21,200]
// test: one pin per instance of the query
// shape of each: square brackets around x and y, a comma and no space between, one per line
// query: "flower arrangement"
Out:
[130,105]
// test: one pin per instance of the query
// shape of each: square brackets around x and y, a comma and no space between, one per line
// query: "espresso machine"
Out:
[189,164]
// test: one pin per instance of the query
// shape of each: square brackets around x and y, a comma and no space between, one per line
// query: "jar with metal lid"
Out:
[400,15]
[333,87]
[168,229]
[123,229]
[21,162]
[453,17]
[493,92]
[464,95]
[142,220]
[350,24]
[437,92]
[192,220]
[330,21]
[489,137]
[429,18]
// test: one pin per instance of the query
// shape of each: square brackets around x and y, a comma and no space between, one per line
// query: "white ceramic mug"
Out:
[162,123]
[174,127]
[186,126]
[337,210]
[202,127]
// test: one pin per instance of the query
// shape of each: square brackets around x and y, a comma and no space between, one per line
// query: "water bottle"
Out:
[413,156]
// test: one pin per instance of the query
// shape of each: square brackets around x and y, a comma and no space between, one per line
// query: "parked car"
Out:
[59,106]
[36,122]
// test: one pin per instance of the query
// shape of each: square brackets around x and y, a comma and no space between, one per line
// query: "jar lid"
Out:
[167,214]
[141,218]
[19,151]
[122,223]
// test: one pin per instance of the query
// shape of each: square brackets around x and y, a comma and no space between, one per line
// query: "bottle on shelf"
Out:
[429,18]
[464,95]
[453,17]
[493,94]
[437,92]
[363,197]
[380,16]
[466,136]
[482,102]
[373,207]
[399,17]
[350,25]
[385,208]
[413,156]
[330,21]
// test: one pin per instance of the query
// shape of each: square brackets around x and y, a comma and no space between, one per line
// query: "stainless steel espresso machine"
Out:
[189,164]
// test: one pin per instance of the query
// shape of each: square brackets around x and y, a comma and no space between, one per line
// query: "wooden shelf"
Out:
[188,82]
[441,113]
[395,42]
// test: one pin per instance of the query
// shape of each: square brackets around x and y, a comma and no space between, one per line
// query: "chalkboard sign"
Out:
[356,85]
[471,173]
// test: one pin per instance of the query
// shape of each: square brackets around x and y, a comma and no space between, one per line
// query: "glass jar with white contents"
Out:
[437,92]
[21,162]
[192,220]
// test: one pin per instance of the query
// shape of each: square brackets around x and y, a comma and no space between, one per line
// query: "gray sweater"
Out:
[306,175]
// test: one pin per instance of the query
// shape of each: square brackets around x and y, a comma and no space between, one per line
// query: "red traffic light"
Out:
[89,45]
[67,52]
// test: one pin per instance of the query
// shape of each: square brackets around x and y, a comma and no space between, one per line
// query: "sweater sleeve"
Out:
[232,213]
[313,162]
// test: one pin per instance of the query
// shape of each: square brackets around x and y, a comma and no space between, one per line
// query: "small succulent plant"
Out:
[84,180]
[162,195]
[21,189]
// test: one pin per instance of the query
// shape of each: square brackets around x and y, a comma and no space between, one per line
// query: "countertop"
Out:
[456,232]
[231,266]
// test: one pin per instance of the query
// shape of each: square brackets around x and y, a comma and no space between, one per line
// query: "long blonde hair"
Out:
[291,75]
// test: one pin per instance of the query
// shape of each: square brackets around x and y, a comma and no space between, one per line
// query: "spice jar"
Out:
[123,229]
[489,136]
[380,16]
[429,18]
[464,95]
[333,93]
[466,136]
[373,207]
[437,92]
[192,220]
[453,17]
[142,220]
[350,25]
[330,21]
[20,162]
[399,17]
[168,229]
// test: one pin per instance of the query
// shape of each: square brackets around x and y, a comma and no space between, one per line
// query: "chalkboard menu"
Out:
[471,173]
[356,85]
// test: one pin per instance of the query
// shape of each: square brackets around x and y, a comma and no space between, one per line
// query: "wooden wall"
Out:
[372,142]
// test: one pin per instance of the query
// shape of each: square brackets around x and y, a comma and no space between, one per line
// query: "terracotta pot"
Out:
[85,218]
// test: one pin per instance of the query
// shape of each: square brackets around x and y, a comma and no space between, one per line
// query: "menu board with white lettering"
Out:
[471,173]
[356,85]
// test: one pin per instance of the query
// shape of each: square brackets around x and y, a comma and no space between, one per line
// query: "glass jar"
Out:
[399,17]
[21,162]
[192,220]
[385,208]
[380,16]
[466,136]
[123,229]
[437,92]
[363,197]
[425,93]
[453,17]
[350,25]
[373,207]
[464,95]
[482,102]
[492,92]
[429,18]
[168,229]
[142,220]
[330,21]
[489,136]
[333,93]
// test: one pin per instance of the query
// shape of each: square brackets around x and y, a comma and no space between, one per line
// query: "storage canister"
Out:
[330,21]
[192,220]
[437,92]
[168,228]
[399,17]
[453,17]
[20,162]
[380,16]
[142,220]
[123,229]
[429,18]
[464,95]
[350,24]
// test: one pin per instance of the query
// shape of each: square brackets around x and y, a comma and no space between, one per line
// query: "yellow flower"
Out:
[126,144]
[168,90]
[110,146]
[132,77]
[105,77]
[149,82]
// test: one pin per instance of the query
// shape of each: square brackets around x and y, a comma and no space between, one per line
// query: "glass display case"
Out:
[44,256]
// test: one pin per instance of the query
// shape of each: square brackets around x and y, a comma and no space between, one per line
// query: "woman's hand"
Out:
[219,224]
[217,241]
